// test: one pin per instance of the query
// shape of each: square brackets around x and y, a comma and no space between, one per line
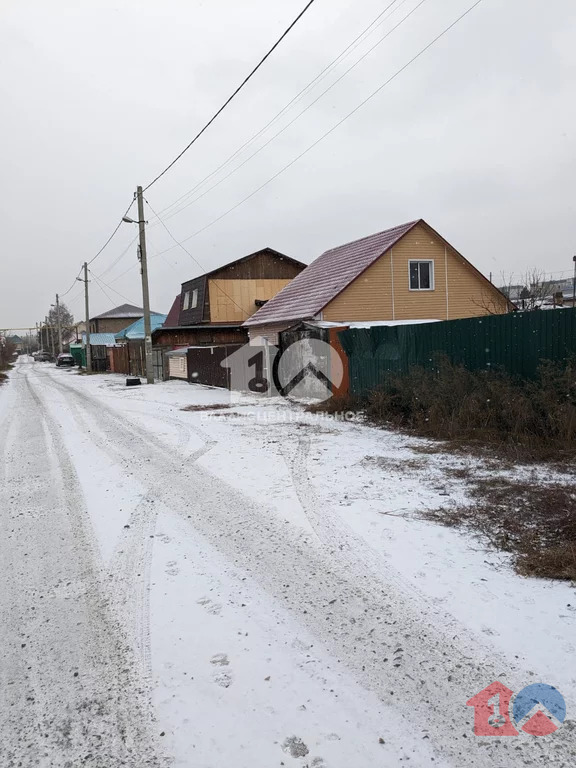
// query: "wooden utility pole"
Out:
[58,325]
[87,308]
[145,293]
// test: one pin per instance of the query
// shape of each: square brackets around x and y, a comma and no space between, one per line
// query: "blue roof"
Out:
[136,330]
[100,340]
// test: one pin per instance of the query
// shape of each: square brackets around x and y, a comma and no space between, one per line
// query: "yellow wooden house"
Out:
[408,272]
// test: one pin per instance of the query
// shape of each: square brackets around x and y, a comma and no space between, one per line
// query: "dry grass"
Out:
[536,522]
[4,376]
[342,404]
[395,465]
[478,411]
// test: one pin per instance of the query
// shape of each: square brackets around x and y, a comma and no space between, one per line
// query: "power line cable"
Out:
[194,259]
[298,116]
[331,130]
[100,281]
[344,54]
[120,257]
[113,233]
[105,294]
[72,286]
[230,98]
[101,249]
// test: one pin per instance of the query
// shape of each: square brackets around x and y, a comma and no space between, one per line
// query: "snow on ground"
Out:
[378,484]
[237,548]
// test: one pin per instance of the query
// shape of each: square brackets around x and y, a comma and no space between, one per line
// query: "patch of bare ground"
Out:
[534,521]
[214,407]
[394,465]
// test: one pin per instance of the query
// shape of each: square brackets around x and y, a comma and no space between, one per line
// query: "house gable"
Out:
[266,264]
[383,292]
[229,294]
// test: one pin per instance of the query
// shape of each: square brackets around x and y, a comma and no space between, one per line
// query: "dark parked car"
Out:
[42,357]
[65,361]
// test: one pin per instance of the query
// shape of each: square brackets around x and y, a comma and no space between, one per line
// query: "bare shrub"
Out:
[337,404]
[528,420]
[536,522]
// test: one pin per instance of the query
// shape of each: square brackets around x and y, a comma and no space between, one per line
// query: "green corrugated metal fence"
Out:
[516,343]
[78,352]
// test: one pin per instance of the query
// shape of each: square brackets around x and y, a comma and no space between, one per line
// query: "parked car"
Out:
[65,361]
[42,357]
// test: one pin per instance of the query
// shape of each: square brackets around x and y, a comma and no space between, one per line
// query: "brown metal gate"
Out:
[205,365]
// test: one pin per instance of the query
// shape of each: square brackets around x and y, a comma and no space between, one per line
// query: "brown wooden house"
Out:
[212,308]
[405,273]
[115,320]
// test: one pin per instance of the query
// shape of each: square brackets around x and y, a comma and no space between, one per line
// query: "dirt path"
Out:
[71,693]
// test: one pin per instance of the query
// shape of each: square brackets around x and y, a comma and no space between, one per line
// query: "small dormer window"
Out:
[194,300]
[421,275]
[186,301]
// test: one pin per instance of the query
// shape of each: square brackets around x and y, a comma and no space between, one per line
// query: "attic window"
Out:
[186,301]
[194,302]
[421,275]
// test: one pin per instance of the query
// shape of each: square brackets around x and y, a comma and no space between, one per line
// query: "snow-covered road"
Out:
[183,590]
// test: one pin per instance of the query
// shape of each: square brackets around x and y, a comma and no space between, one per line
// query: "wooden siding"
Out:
[369,297]
[178,367]
[111,324]
[459,290]
[183,337]
[258,269]
[267,333]
[233,301]
[263,265]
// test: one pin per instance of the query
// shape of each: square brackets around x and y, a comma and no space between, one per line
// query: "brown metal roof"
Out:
[124,310]
[310,291]
[174,313]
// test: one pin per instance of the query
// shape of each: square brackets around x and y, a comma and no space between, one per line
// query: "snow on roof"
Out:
[367,324]
[124,310]
[136,330]
[100,340]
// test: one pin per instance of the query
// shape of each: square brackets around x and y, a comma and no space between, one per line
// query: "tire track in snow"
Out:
[128,571]
[385,638]
[71,693]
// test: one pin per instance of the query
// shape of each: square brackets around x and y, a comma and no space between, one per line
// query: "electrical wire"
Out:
[113,233]
[320,76]
[230,98]
[120,257]
[112,302]
[298,116]
[102,283]
[331,130]
[194,259]
[61,295]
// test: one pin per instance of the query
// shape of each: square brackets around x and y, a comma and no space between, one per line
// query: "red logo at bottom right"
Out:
[538,709]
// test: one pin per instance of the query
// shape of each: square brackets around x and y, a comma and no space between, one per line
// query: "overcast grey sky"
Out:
[478,136]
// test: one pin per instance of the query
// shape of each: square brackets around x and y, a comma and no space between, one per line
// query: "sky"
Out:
[477,136]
